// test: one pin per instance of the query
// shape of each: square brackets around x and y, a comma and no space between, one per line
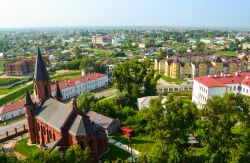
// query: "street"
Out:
[11,126]
[20,123]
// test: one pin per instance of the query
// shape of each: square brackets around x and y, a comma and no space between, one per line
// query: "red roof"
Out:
[11,107]
[126,129]
[222,80]
[73,82]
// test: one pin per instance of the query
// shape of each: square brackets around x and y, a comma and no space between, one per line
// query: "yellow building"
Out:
[187,70]
[218,66]
[161,66]
[167,67]
[203,69]
[233,67]
[156,65]
[175,69]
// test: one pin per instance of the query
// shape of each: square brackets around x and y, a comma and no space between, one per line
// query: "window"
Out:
[234,88]
[50,135]
[243,89]
[44,131]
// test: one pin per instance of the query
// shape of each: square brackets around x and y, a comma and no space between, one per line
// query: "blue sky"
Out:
[194,13]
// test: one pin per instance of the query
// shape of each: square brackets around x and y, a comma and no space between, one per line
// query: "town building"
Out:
[246,46]
[55,125]
[74,87]
[143,102]
[11,111]
[99,41]
[19,68]
[205,87]
[105,123]
[190,65]
[2,55]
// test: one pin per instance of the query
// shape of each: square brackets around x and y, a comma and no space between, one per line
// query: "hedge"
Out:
[15,94]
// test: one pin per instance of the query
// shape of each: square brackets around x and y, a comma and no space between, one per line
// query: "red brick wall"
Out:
[39,90]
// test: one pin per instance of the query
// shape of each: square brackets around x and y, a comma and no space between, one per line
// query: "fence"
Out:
[13,133]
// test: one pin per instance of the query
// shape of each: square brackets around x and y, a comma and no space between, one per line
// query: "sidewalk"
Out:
[124,147]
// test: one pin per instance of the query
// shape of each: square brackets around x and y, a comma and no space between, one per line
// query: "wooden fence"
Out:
[13,133]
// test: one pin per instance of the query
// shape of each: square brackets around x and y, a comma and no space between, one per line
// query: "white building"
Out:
[13,110]
[74,87]
[205,87]
[143,102]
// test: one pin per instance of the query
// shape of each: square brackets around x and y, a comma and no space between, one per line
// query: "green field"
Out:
[66,76]
[25,149]
[172,80]
[227,53]
[115,153]
[6,91]
[15,95]
[141,143]
[8,81]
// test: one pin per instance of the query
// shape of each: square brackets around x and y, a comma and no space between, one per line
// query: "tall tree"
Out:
[85,100]
[220,117]
[134,77]
[171,123]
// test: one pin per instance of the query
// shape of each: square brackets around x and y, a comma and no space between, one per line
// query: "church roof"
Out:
[40,69]
[82,127]
[58,91]
[54,113]
[27,100]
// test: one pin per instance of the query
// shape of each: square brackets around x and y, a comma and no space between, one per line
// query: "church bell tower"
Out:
[42,85]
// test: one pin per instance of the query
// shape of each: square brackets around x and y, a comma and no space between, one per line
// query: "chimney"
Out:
[236,74]
[74,103]
[221,74]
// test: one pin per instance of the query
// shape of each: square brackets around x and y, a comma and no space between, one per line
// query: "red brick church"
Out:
[56,125]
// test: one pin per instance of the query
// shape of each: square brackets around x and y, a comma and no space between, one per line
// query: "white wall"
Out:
[83,87]
[12,114]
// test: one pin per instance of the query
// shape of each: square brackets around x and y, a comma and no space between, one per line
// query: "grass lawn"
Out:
[172,80]
[141,143]
[227,53]
[66,76]
[6,91]
[8,81]
[107,89]
[110,97]
[187,100]
[115,153]
[188,94]
[25,149]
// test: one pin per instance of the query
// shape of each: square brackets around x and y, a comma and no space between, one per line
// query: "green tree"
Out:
[171,123]
[85,100]
[181,49]
[78,52]
[46,157]
[220,117]
[134,77]
[78,155]
[200,46]
[124,99]
[106,107]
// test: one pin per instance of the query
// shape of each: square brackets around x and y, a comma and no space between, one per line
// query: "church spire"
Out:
[42,87]
[27,100]
[58,93]
[40,73]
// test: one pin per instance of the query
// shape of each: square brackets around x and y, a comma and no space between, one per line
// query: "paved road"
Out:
[11,127]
